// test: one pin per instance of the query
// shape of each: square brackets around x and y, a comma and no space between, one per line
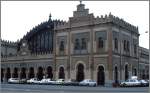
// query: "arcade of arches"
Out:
[48,73]
[23,73]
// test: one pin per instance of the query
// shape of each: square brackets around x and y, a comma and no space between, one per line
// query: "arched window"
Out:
[61,47]
[83,43]
[134,72]
[77,44]
[100,42]
[128,46]
[1,54]
[124,45]
[116,44]
[126,72]
[135,49]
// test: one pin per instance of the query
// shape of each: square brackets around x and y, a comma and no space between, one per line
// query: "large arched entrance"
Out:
[116,75]
[15,73]
[40,73]
[100,76]
[8,74]
[31,73]
[23,73]
[2,74]
[61,73]
[49,72]
[80,72]
[126,72]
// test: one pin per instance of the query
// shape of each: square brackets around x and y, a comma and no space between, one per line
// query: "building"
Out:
[144,63]
[105,49]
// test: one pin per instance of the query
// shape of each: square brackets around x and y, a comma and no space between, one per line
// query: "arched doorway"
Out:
[2,74]
[23,73]
[116,75]
[100,76]
[15,73]
[49,72]
[80,72]
[126,72]
[40,73]
[61,73]
[8,74]
[31,73]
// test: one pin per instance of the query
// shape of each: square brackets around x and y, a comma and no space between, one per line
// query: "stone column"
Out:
[109,37]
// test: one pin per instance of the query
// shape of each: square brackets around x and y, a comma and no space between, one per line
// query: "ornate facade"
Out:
[104,49]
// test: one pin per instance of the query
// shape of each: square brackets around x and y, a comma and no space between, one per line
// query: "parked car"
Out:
[23,81]
[71,82]
[47,81]
[59,82]
[13,80]
[88,82]
[33,81]
[130,82]
[144,83]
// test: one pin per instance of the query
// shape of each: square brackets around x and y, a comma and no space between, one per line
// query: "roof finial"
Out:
[50,16]
[80,1]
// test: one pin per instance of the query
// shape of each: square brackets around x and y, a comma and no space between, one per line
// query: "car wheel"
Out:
[124,85]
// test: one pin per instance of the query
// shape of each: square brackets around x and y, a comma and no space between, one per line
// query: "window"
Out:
[77,44]
[124,45]
[135,49]
[10,54]
[116,43]
[128,46]
[100,42]
[61,47]
[83,43]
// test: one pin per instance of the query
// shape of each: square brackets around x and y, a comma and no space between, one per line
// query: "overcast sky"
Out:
[18,17]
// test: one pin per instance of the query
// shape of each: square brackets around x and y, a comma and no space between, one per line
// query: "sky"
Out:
[19,17]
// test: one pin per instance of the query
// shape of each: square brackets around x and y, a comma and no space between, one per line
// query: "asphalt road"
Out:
[26,88]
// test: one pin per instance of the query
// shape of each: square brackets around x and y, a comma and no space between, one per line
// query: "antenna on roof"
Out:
[80,1]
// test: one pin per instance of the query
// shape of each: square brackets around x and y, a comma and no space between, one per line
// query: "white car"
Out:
[13,80]
[47,81]
[143,83]
[33,80]
[88,82]
[59,81]
[131,82]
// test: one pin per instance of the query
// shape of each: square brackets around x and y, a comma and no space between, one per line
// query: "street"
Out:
[26,88]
